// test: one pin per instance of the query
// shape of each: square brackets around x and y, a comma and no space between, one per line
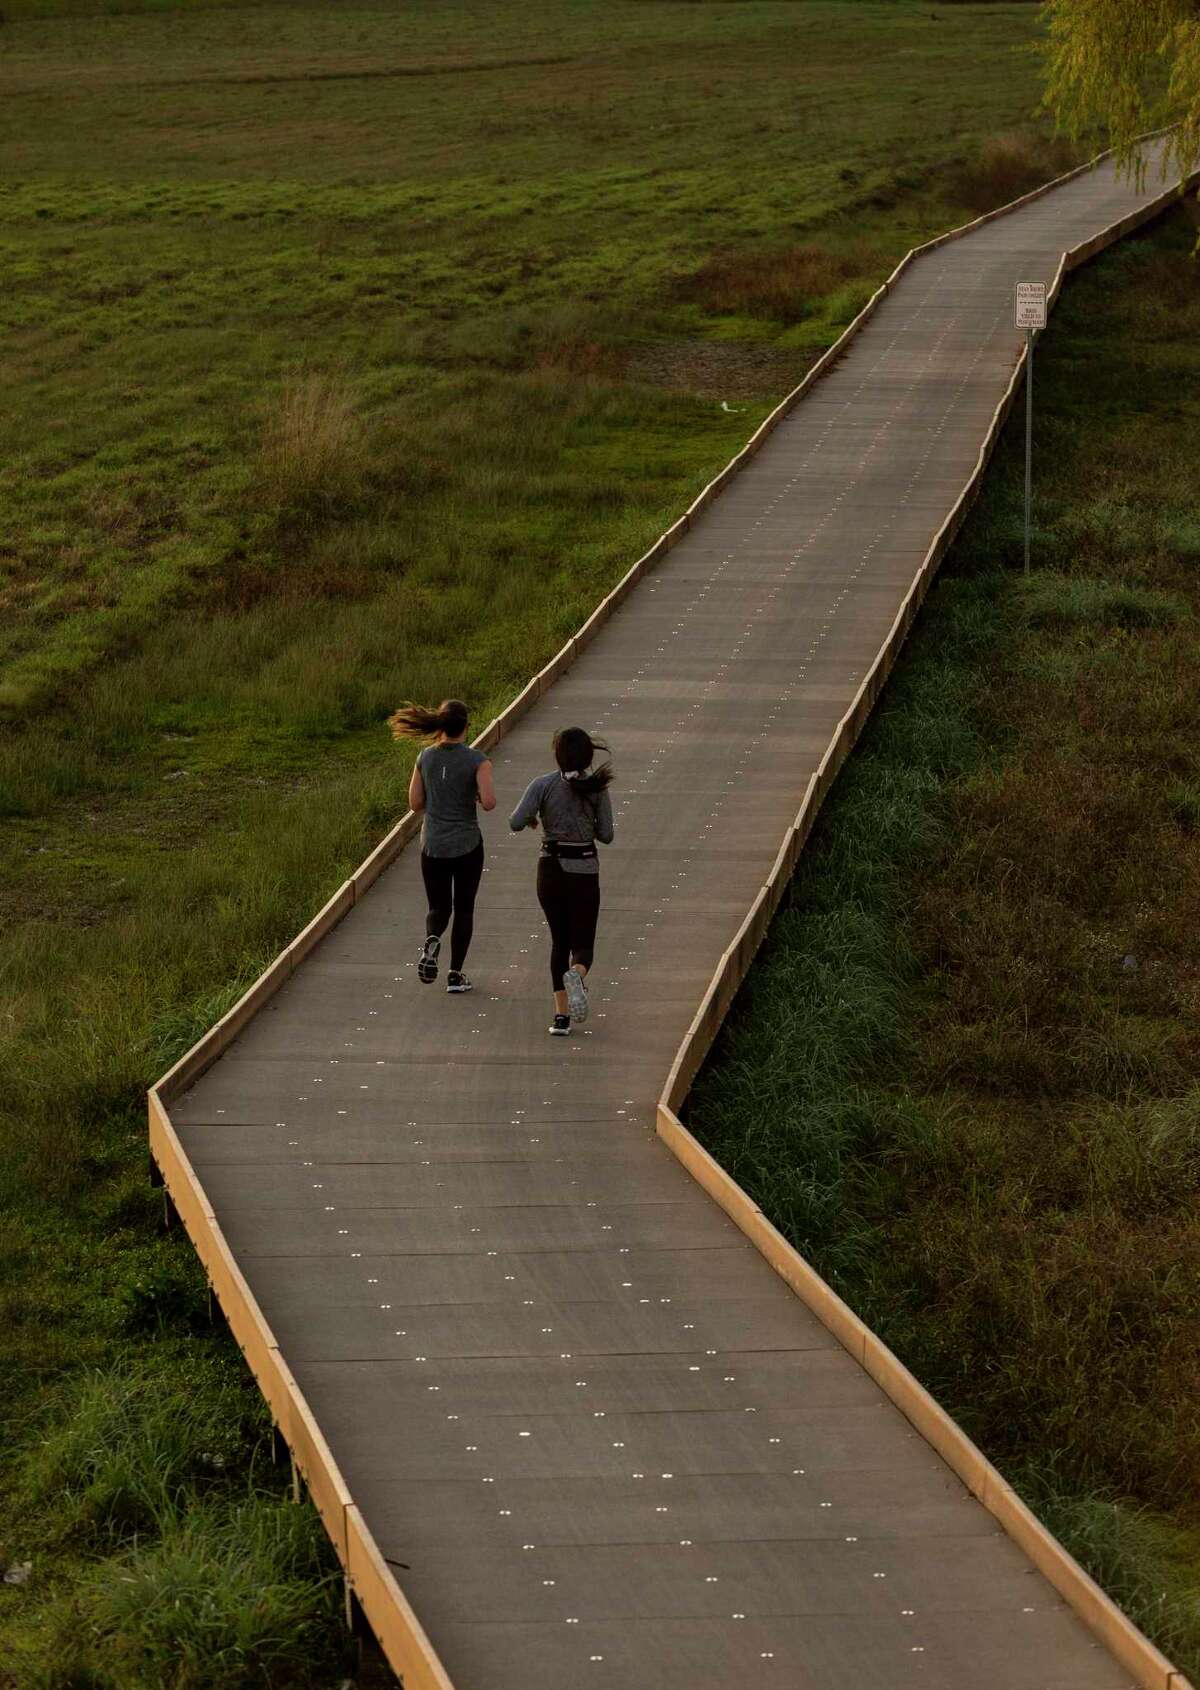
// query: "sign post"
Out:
[1030,316]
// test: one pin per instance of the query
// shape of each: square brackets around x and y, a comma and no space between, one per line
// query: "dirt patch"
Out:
[725,369]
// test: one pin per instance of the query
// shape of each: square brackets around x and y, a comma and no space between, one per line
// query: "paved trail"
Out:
[608,1445]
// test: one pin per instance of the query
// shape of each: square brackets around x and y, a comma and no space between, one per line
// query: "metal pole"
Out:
[1028,436]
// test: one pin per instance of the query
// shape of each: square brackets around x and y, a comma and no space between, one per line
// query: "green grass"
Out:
[344,362]
[455,222]
[191,1565]
[962,1075]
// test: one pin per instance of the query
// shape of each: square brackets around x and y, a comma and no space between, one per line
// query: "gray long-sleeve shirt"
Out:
[566,816]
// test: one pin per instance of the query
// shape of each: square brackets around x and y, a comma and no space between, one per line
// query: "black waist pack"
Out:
[559,848]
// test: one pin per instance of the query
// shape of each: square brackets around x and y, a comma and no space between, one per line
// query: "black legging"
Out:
[450,886]
[571,905]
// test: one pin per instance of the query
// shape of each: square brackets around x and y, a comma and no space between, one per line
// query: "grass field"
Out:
[349,354]
[963,1075]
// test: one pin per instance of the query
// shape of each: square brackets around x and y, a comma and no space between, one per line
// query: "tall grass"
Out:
[313,456]
[1054,600]
[192,1570]
[130,1452]
[224,1598]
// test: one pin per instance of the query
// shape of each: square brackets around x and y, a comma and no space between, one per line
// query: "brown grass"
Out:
[580,354]
[312,456]
[1010,165]
[782,284]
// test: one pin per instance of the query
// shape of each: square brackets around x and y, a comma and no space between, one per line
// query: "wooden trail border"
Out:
[368,1576]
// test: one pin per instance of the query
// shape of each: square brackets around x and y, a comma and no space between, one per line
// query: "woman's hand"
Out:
[532,822]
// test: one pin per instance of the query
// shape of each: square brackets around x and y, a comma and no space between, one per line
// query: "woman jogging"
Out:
[448,780]
[575,811]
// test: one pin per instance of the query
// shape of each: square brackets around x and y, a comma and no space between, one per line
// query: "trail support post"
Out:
[1030,316]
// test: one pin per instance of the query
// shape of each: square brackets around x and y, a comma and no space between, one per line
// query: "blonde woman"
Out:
[450,780]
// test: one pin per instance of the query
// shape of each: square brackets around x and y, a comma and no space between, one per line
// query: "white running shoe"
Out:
[427,961]
[577,999]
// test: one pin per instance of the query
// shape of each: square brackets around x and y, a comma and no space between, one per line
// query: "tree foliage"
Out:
[1127,66]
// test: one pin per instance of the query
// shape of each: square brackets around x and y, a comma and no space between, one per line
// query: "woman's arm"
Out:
[416,788]
[484,785]
[526,812]
[605,826]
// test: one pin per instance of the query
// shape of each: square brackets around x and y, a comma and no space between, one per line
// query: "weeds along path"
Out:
[595,1436]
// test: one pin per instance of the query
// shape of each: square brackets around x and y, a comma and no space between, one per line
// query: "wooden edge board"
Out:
[246,1321]
[388,1611]
[841,1320]
[209,1046]
[184,1189]
[407,1647]
[385,853]
[488,739]
[512,712]
[1134,1650]
[328,1491]
[326,918]
[558,665]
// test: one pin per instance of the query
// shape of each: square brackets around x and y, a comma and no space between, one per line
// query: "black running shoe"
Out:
[427,961]
[560,1026]
[457,982]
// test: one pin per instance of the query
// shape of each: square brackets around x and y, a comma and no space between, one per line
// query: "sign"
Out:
[1031,305]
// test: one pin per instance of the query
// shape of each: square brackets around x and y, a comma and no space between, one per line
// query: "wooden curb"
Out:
[401,1636]
[1130,1646]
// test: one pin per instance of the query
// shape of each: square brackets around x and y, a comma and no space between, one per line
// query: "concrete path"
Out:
[601,1442]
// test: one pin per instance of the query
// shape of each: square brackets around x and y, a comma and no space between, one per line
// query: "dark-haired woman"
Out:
[575,811]
[449,779]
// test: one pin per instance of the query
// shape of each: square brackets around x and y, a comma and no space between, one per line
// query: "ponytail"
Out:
[587,786]
[413,721]
[574,750]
